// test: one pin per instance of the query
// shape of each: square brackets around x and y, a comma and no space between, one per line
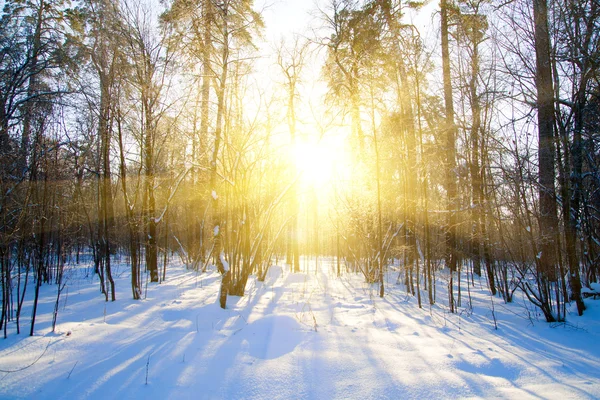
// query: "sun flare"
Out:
[320,162]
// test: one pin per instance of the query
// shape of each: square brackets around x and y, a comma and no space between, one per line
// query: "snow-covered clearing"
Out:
[293,336]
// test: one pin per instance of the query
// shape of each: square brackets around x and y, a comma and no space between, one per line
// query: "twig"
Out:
[494,313]
[147,367]
[27,366]
[72,369]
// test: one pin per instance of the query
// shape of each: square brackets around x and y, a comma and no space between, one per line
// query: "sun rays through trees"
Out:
[443,141]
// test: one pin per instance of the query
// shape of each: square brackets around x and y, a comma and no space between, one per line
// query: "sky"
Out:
[286,17]
[283,19]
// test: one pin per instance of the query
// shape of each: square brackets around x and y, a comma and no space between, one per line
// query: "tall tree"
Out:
[577,48]
[450,133]
[546,164]
[471,32]
[106,53]
[291,61]
[150,58]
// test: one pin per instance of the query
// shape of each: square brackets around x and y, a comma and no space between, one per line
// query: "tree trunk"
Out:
[545,105]
[31,88]
[548,220]
[450,128]
[107,199]
[136,289]
[217,229]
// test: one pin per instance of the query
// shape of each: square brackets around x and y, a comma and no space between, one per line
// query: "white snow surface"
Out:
[294,336]
[224,261]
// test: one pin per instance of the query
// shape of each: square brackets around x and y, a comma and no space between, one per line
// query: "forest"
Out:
[448,144]
[299,199]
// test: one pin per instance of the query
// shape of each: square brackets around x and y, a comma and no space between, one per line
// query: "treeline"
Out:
[487,159]
[137,128]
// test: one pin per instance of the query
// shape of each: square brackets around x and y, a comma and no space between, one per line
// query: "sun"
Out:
[313,162]
[320,162]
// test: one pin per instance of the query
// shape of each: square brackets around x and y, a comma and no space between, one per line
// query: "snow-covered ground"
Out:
[294,336]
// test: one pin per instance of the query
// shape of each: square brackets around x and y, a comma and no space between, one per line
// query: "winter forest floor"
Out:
[312,336]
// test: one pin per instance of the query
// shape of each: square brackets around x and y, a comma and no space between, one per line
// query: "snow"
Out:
[593,290]
[224,261]
[216,230]
[308,336]
[214,195]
